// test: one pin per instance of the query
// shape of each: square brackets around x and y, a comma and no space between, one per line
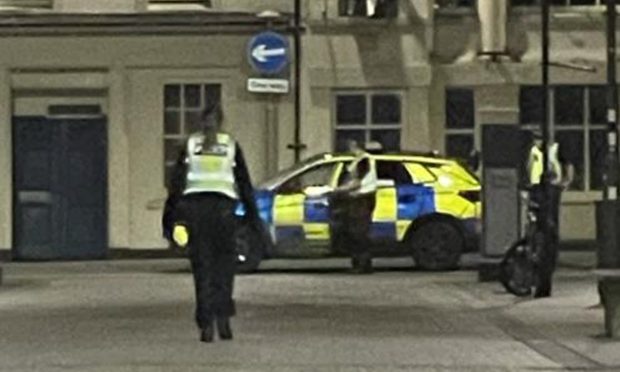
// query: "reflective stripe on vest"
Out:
[535,164]
[368,184]
[211,169]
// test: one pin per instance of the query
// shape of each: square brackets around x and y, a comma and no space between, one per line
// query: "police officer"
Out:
[560,176]
[214,178]
[352,206]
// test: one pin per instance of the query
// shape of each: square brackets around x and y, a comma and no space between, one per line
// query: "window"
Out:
[460,122]
[364,117]
[25,4]
[320,175]
[368,8]
[183,108]
[455,4]
[558,2]
[394,171]
[178,4]
[578,116]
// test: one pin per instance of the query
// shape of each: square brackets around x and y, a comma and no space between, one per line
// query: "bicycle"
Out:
[520,266]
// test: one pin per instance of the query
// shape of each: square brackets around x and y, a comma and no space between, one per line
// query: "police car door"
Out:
[387,225]
[301,212]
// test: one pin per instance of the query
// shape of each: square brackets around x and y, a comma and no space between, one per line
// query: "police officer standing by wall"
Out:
[560,176]
[352,205]
[214,177]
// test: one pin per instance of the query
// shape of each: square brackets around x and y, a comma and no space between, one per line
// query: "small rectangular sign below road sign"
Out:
[268,85]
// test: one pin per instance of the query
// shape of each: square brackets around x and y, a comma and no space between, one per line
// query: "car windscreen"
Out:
[282,175]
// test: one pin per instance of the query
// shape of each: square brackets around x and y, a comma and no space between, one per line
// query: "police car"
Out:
[427,207]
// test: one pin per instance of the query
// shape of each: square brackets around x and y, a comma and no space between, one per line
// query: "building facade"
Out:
[108,90]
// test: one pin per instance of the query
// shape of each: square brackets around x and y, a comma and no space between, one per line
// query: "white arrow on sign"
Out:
[261,53]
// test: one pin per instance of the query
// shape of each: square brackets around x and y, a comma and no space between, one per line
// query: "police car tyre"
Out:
[516,271]
[437,245]
[250,246]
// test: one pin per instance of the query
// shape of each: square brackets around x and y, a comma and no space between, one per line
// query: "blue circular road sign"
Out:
[268,52]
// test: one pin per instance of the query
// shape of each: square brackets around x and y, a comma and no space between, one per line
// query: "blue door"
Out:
[60,188]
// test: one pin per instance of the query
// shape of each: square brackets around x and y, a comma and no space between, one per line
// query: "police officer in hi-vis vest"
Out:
[560,176]
[214,178]
[352,205]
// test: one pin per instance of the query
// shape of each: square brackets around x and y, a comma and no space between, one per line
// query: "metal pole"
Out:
[608,253]
[545,127]
[611,189]
[297,145]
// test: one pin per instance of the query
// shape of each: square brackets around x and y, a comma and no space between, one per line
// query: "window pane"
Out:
[192,95]
[459,145]
[459,108]
[395,171]
[389,139]
[582,2]
[568,105]
[172,123]
[350,109]
[572,151]
[598,151]
[172,96]
[192,121]
[598,105]
[344,136]
[213,93]
[172,149]
[530,105]
[524,2]
[320,175]
[386,109]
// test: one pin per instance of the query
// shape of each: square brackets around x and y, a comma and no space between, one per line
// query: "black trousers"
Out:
[549,254]
[211,223]
[351,220]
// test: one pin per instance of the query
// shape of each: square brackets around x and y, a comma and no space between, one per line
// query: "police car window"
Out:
[320,175]
[393,170]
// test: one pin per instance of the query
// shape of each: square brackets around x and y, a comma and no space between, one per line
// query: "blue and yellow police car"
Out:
[427,207]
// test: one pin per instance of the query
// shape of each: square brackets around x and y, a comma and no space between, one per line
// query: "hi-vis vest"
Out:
[535,164]
[211,169]
[368,184]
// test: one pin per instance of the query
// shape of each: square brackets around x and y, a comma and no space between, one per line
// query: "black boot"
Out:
[206,334]
[223,328]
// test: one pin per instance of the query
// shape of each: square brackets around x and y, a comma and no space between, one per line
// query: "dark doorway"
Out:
[59,188]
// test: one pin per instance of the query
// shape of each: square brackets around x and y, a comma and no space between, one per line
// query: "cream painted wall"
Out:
[119,207]
[245,120]
[6,164]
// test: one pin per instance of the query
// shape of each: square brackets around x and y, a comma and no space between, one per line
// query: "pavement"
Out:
[298,315]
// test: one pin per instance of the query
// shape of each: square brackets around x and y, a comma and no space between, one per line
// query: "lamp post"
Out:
[608,254]
[297,146]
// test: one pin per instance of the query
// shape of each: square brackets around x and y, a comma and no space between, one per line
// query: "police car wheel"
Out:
[437,245]
[250,249]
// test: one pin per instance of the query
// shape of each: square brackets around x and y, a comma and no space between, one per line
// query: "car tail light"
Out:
[471,195]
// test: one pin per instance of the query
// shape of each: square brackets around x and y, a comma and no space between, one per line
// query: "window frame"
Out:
[473,131]
[183,133]
[585,128]
[368,127]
